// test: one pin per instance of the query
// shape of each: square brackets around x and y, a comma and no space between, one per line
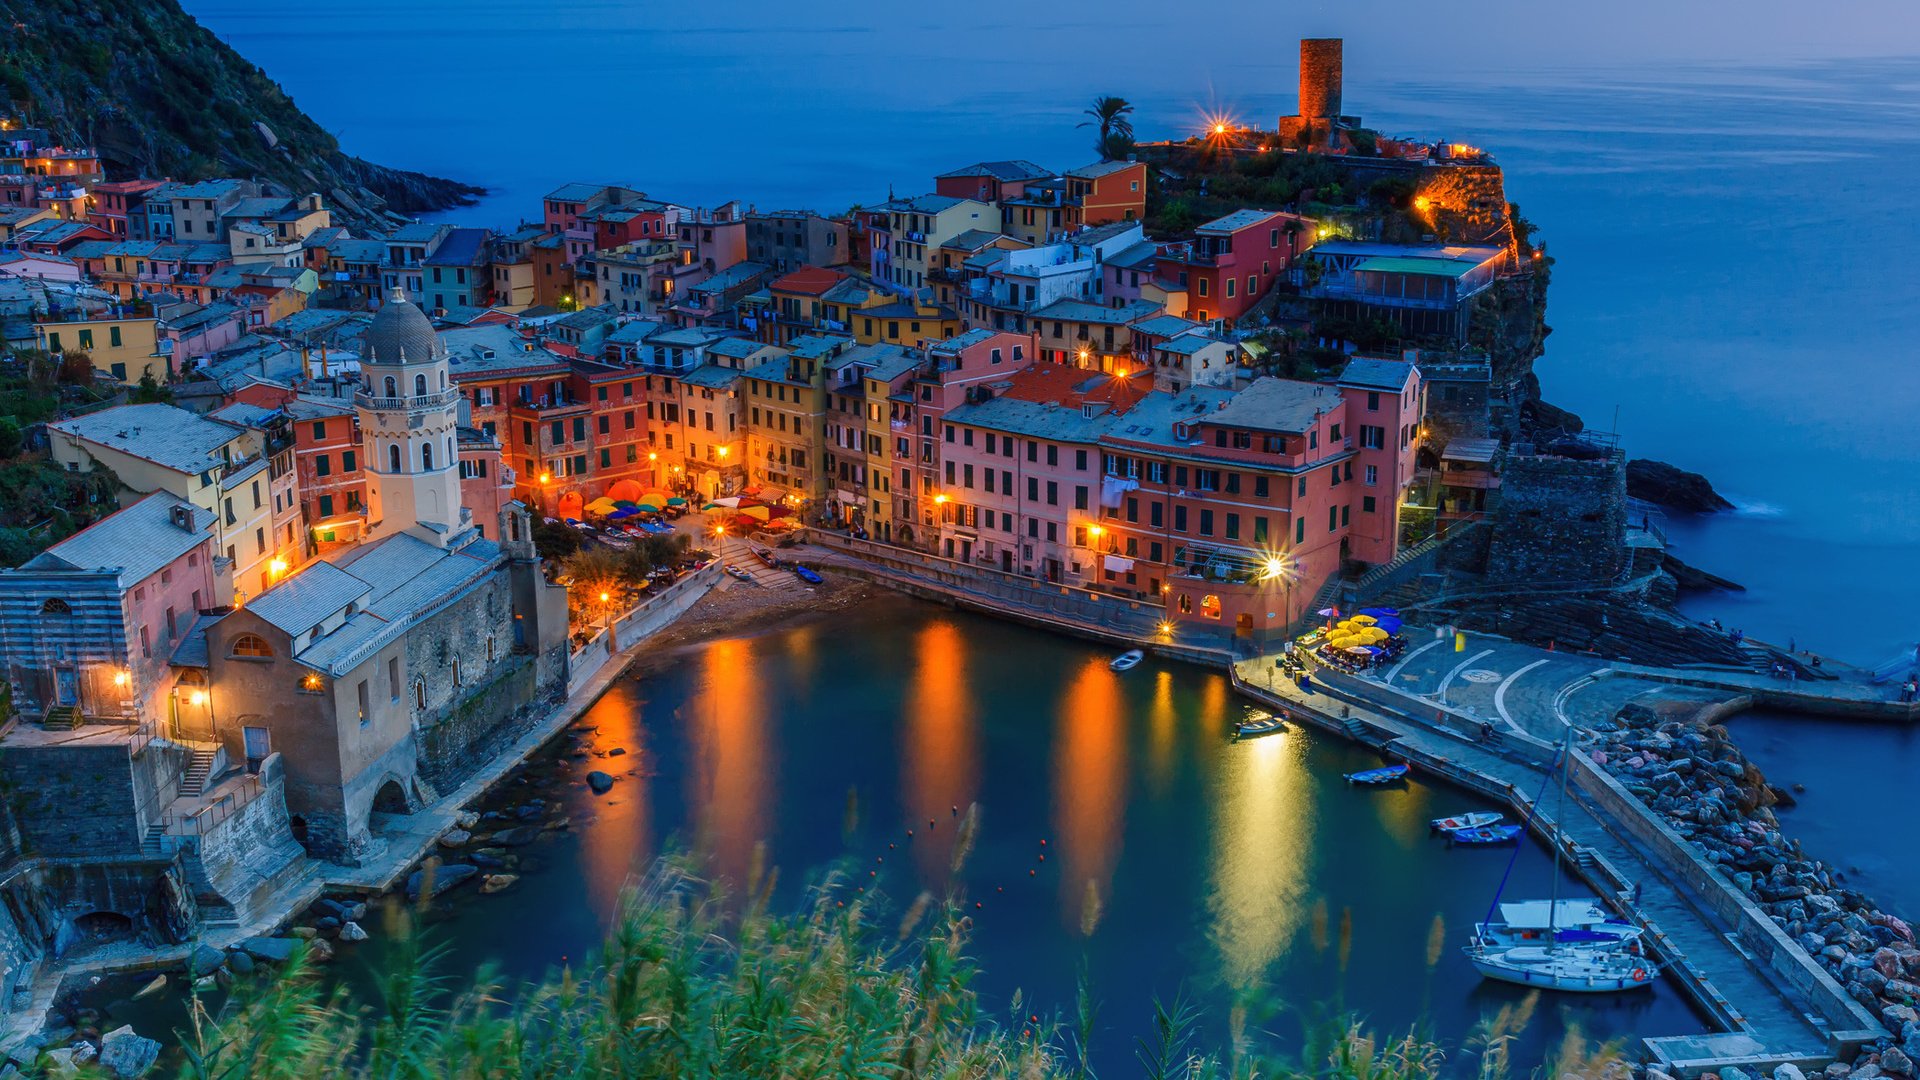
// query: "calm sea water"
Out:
[1218,866]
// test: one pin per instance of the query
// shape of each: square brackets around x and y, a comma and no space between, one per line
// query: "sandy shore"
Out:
[735,608]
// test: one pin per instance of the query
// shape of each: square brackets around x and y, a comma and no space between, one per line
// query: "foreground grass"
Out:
[691,983]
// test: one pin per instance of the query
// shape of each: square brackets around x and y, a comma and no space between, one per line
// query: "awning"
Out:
[845,496]
[1119,564]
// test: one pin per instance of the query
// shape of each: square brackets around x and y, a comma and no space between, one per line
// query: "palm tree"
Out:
[1109,115]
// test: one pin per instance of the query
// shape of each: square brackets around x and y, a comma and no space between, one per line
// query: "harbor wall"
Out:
[1762,938]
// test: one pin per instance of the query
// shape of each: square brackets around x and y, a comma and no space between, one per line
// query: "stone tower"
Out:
[408,415]
[1320,76]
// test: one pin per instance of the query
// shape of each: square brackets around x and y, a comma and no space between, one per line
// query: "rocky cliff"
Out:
[160,95]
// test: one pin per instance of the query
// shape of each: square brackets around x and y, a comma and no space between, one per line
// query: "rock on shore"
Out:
[1698,780]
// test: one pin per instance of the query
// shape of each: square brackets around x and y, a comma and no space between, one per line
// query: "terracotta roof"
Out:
[811,280]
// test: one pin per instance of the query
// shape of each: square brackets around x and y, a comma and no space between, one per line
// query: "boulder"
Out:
[239,962]
[326,924]
[127,1055]
[158,984]
[618,751]
[1895,1062]
[454,838]
[444,878]
[516,836]
[600,782]
[494,883]
[271,950]
[304,933]
[327,906]
[205,960]
[466,819]
[320,951]
[1732,1072]
[1788,1071]
[352,931]
[1886,961]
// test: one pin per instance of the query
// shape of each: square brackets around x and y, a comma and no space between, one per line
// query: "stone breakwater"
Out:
[1694,776]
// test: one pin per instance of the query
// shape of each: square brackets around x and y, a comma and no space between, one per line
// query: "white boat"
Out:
[1555,944]
[1475,820]
[1258,723]
[1126,660]
[1572,924]
[1583,971]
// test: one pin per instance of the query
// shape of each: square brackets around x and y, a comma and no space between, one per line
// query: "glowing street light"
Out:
[121,678]
[940,500]
[1166,628]
[198,697]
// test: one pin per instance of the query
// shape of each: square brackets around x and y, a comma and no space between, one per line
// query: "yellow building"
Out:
[220,467]
[919,227]
[907,323]
[786,401]
[121,349]
[889,442]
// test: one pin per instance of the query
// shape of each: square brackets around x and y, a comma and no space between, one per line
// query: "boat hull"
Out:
[1567,983]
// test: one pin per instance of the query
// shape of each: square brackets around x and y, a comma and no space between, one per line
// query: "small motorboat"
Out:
[806,573]
[1258,723]
[1385,775]
[1476,820]
[738,573]
[1485,835]
[1126,661]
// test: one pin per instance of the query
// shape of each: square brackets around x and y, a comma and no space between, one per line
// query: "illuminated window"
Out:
[251,645]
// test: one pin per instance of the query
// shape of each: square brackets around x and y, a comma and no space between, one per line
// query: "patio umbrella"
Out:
[1329,612]
[676,501]
[624,504]
[710,506]
[622,515]
[1379,612]
[1362,620]
[648,508]
[758,513]
[729,502]
[1359,650]
[1388,623]
[657,498]
[602,505]
[624,491]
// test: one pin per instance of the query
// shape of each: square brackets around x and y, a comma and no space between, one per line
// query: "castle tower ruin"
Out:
[1320,75]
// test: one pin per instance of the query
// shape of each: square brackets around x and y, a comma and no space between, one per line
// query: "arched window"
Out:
[426,457]
[420,385]
[420,693]
[393,388]
[452,455]
[393,459]
[56,606]
[251,645]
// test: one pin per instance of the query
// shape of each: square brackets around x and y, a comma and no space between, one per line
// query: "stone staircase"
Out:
[62,718]
[193,782]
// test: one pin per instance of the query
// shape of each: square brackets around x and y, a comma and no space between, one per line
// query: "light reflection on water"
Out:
[1263,838]
[939,757]
[735,764]
[1090,783]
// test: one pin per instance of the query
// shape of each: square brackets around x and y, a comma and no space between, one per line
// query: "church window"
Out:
[393,388]
[420,386]
[426,457]
[393,459]
[251,645]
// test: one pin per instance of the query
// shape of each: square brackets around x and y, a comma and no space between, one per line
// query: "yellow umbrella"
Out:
[657,498]
[760,512]
[602,505]
[1362,620]
[1374,635]
[1341,640]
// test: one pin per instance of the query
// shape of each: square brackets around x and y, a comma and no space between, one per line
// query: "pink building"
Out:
[956,369]
[1233,261]
[92,622]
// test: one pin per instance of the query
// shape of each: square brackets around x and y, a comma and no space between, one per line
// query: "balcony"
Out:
[406,404]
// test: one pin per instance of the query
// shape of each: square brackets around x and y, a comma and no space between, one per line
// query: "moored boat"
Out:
[1485,835]
[1584,971]
[1384,775]
[738,573]
[1127,660]
[806,573]
[1473,820]
[1258,723]
[1578,924]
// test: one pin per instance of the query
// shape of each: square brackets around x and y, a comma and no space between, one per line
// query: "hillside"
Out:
[160,95]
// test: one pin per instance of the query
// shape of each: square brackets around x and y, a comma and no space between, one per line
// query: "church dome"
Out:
[400,333]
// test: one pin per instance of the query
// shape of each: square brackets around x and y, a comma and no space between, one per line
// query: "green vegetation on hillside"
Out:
[160,95]
[40,502]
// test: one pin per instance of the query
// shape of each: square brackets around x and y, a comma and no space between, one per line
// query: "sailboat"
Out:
[1578,949]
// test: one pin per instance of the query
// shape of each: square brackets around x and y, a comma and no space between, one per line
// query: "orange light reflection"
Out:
[941,750]
[1090,783]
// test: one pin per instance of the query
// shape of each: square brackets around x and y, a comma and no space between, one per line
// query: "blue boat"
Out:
[806,574]
[1384,775]
[1485,834]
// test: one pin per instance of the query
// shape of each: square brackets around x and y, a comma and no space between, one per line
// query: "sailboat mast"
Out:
[1559,835]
